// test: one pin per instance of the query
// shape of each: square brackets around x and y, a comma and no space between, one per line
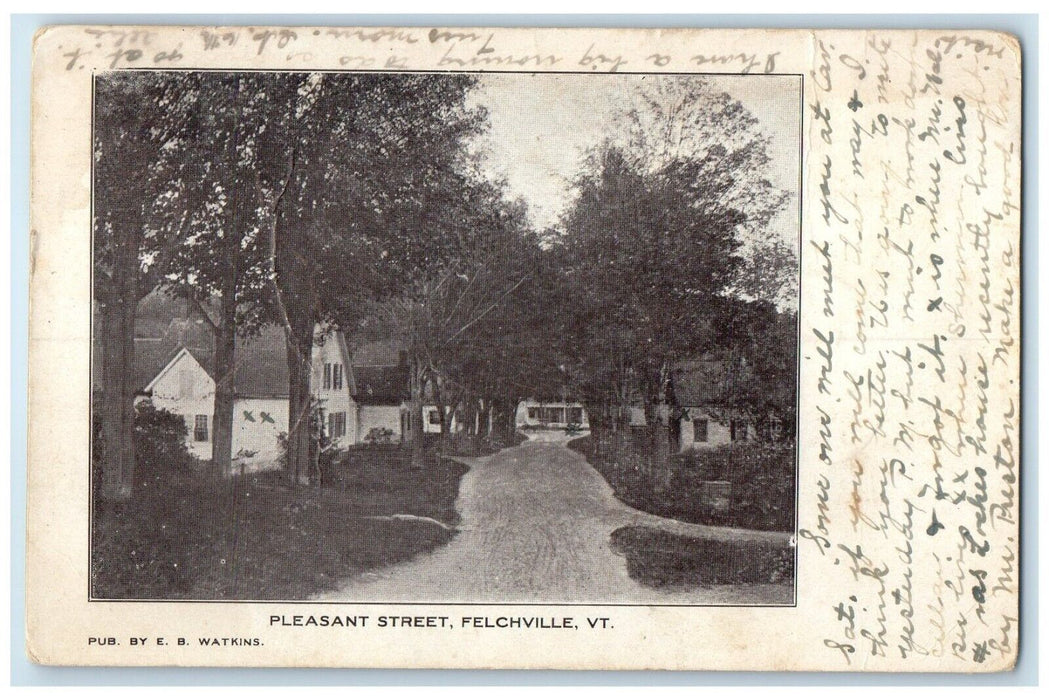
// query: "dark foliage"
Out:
[762,478]
[160,444]
[662,559]
[379,436]
[160,449]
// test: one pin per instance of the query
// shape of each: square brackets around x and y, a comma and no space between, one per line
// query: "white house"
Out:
[185,385]
[380,379]
[432,420]
[362,391]
[702,390]
[551,414]
[380,375]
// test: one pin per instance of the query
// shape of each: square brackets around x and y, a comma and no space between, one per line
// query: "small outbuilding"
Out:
[703,392]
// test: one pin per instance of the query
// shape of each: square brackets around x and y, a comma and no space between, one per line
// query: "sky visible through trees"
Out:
[542,126]
[519,235]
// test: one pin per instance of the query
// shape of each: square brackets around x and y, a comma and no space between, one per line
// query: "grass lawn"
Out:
[255,538]
[665,560]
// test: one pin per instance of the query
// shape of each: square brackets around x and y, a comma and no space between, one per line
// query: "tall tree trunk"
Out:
[222,421]
[117,326]
[299,349]
[443,418]
[511,419]
[661,433]
[415,409]
[226,329]
[291,282]
[451,417]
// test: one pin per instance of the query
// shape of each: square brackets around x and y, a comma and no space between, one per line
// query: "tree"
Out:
[515,352]
[679,118]
[493,344]
[761,341]
[142,123]
[221,265]
[475,271]
[668,222]
[649,253]
[355,172]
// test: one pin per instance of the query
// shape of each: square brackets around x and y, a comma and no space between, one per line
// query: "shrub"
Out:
[160,449]
[658,559]
[379,436]
[762,478]
[160,444]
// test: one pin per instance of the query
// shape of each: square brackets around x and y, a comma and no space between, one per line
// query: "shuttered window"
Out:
[337,424]
[333,375]
[200,428]
[699,430]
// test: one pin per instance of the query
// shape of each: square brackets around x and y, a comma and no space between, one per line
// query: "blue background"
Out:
[24,673]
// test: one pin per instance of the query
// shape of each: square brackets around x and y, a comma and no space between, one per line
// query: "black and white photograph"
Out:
[442,337]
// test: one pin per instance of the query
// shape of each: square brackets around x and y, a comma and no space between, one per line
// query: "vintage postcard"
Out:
[524,348]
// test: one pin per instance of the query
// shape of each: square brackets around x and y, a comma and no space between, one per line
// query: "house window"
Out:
[336,376]
[739,430]
[200,428]
[327,375]
[553,414]
[435,418]
[575,414]
[337,425]
[533,413]
[699,430]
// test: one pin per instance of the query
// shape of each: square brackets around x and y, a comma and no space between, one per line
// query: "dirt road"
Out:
[536,521]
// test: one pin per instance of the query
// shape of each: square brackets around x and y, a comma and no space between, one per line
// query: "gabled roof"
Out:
[260,362]
[380,372]
[261,365]
[183,354]
[381,385]
[706,382]
[377,353]
[151,356]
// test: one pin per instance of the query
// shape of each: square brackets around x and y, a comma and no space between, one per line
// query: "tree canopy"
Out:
[355,200]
